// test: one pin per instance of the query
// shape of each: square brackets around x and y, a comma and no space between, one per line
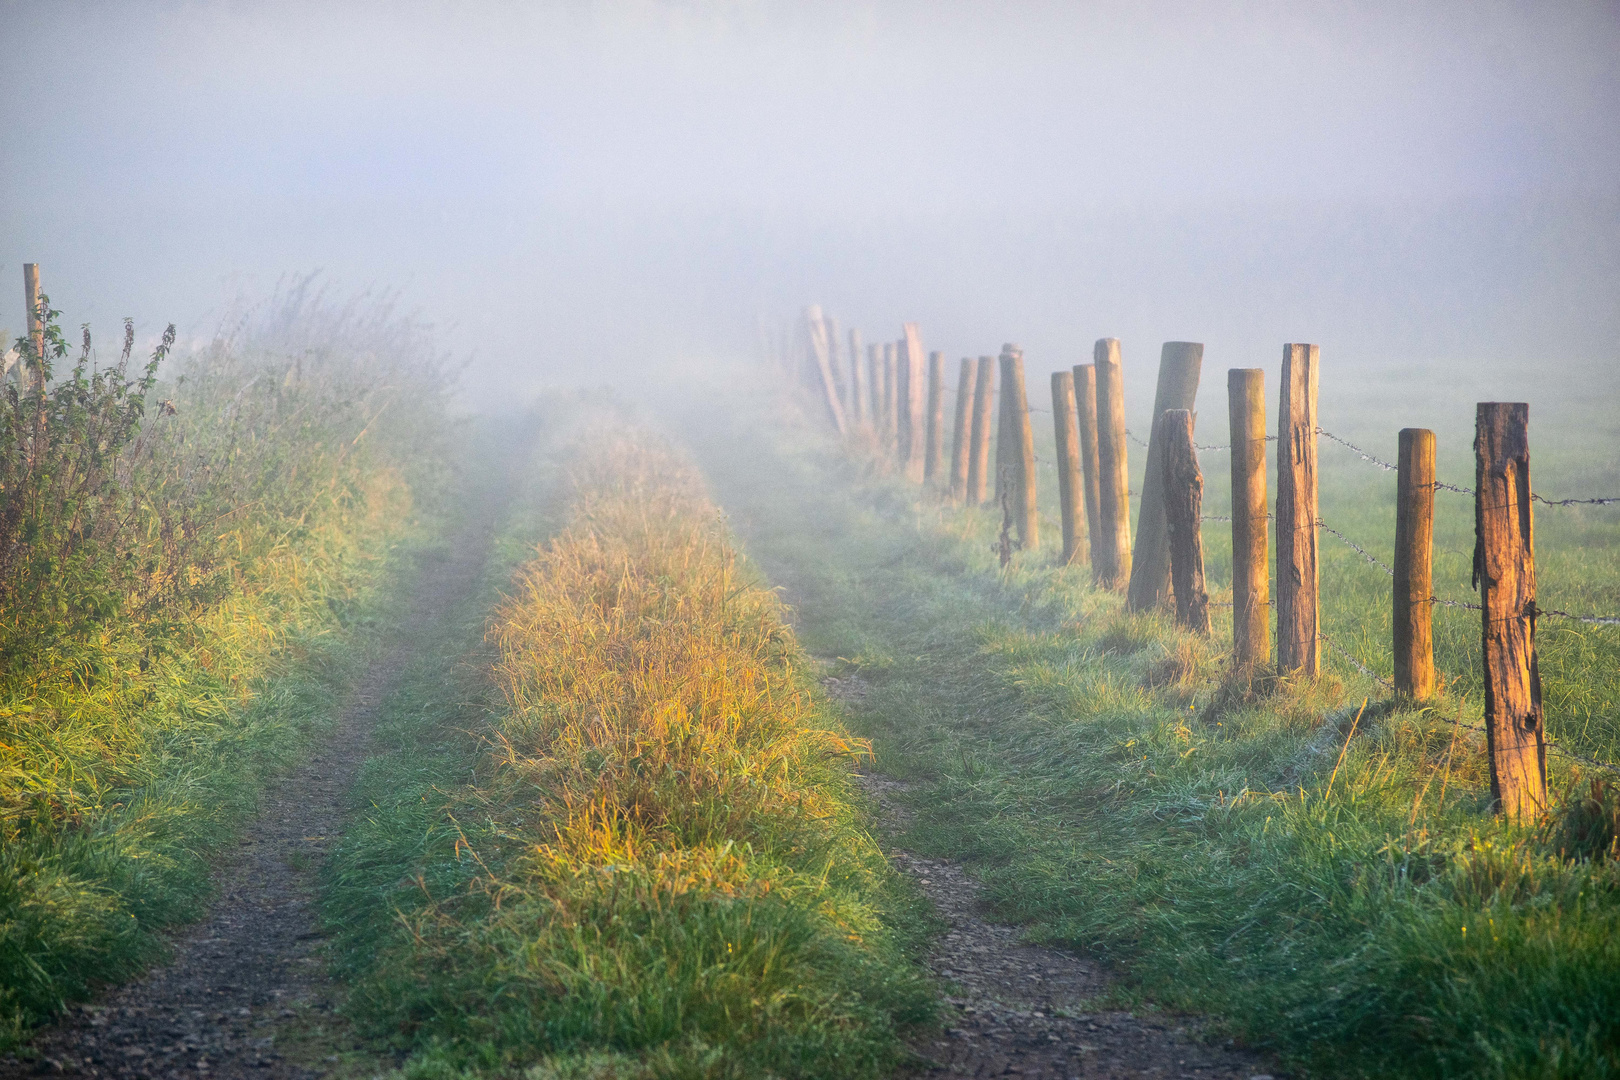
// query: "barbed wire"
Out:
[1357,664]
[1575,502]
[1382,464]
[1365,554]
[1594,620]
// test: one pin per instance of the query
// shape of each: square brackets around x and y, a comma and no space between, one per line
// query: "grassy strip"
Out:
[624,842]
[265,504]
[1329,885]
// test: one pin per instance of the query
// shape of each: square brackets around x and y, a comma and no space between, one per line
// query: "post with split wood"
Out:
[1299,647]
[1183,491]
[1071,488]
[934,444]
[1111,546]
[1085,407]
[1251,586]
[984,392]
[1180,363]
[961,432]
[1019,445]
[1505,573]
[857,383]
[1414,564]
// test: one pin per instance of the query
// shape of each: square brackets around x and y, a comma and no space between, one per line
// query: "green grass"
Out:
[618,838]
[1121,795]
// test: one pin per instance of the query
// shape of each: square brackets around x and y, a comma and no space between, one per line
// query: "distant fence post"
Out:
[36,328]
[1183,491]
[984,390]
[911,374]
[835,365]
[857,381]
[1299,647]
[1085,407]
[874,390]
[1505,572]
[1179,365]
[1071,488]
[1019,463]
[1251,591]
[891,423]
[1414,564]
[961,432]
[816,333]
[934,445]
[1111,547]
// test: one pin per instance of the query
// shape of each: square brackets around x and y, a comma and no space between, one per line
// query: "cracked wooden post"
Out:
[1299,646]
[1414,564]
[1071,488]
[860,406]
[911,373]
[934,445]
[962,432]
[1015,459]
[1180,363]
[1251,585]
[1085,407]
[1111,545]
[1183,491]
[1505,573]
[984,392]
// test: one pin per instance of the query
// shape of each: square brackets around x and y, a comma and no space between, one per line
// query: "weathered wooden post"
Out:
[961,432]
[984,392]
[891,414]
[1251,585]
[1183,516]
[911,366]
[835,364]
[1020,448]
[861,411]
[1414,564]
[1071,488]
[1505,572]
[1179,365]
[1111,545]
[934,445]
[816,330]
[35,377]
[1299,647]
[874,390]
[1085,407]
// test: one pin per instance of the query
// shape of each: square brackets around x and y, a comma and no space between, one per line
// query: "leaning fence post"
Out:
[816,331]
[911,371]
[960,434]
[984,392]
[1111,546]
[1179,365]
[1299,647]
[1183,491]
[1085,407]
[1251,591]
[1414,559]
[857,381]
[1020,447]
[1505,573]
[934,445]
[1071,488]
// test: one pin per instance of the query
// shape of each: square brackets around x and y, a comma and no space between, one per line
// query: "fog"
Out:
[581,192]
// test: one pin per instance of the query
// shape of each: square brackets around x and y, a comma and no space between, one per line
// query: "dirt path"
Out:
[247,993]
[1022,1010]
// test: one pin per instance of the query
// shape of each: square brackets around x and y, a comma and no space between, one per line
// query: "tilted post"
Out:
[1414,564]
[816,331]
[1019,445]
[1111,546]
[1180,363]
[1505,572]
[1085,407]
[835,364]
[911,366]
[1071,488]
[1251,585]
[1183,518]
[961,432]
[984,392]
[860,410]
[1299,647]
[934,444]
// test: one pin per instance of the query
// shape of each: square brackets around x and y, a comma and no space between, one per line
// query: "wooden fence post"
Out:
[874,390]
[1020,448]
[1085,407]
[1111,546]
[1071,488]
[816,331]
[961,432]
[911,365]
[934,445]
[890,407]
[1299,646]
[34,377]
[835,364]
[857,382]
[1183,519]
[1414,564]
[1179,365]
[984,391]
[1251,585]
[1505,573]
